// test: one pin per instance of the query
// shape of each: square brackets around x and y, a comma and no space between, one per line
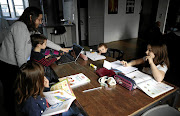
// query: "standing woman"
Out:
[16,48]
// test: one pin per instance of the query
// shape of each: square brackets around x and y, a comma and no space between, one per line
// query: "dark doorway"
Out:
[147,15]
[173,16]
[91,21]
[83,22]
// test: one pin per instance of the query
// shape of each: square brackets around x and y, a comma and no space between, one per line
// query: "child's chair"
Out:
[119,53]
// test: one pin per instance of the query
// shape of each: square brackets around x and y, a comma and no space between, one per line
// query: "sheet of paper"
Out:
[117,65]
[107,65]
[94,56]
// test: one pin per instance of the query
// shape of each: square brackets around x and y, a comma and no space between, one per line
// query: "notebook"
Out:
[71,56]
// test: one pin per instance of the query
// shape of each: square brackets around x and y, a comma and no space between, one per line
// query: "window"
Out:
[12,8]
[18,6]
[5,8]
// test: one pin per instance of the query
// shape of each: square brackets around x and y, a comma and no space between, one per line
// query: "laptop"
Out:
[71,56]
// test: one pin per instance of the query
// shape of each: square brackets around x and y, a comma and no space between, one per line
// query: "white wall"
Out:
[121,26]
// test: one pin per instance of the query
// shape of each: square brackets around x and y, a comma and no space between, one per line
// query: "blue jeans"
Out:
[73,111]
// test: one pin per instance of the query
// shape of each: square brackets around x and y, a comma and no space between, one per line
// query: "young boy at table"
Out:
[39,43]
[30,84]
[103,50]
[156,58]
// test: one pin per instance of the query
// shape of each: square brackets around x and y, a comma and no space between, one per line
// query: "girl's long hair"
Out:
[32,12]
[160,52]
[29,82]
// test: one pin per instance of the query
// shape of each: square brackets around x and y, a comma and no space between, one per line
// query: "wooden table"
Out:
[116,101]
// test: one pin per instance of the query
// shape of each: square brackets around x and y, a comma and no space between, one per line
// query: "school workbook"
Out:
[148,85]
[76,80]
[144,82]
[60,98]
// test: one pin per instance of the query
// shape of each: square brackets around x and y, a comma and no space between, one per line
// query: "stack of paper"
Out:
[117,65]
[94,56]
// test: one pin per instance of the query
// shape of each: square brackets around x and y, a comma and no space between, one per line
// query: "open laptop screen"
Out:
[72,55]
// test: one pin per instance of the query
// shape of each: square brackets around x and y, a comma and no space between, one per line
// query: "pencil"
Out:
[92,89]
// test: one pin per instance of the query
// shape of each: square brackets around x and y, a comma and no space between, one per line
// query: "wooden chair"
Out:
[119,53]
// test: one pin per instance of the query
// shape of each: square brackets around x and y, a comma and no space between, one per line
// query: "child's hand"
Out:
[48,56]
[124,63]
[46,82]
[149,59]
[58,57]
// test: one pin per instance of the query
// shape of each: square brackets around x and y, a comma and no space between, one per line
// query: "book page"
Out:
[139,76]
[94,56]
[153,88]
[64,85]
[57,96]
[76,80]
[60,98]
[58,108]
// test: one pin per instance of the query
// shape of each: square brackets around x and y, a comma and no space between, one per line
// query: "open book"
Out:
[143,81]
[94,56]
[147,84]
[76,80]
[60,98]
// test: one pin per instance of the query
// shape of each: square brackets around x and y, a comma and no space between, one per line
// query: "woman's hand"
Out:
[66,49]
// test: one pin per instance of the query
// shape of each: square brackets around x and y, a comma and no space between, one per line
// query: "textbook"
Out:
[60,98]
[76,80]
[147,84]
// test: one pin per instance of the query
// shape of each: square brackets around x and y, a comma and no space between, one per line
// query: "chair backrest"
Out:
[60,30]
[162,110]
[119,53]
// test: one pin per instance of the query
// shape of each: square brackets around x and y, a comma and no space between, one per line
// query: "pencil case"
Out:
[125,81]
[105,72]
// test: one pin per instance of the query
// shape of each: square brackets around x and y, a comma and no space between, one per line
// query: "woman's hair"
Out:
[160,51]
[37,39]
[25,17]
[29,82]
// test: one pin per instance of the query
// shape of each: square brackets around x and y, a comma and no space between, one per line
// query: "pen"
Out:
[92,89]
[92,65]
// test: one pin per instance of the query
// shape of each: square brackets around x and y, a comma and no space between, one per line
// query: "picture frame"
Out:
[112,6]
